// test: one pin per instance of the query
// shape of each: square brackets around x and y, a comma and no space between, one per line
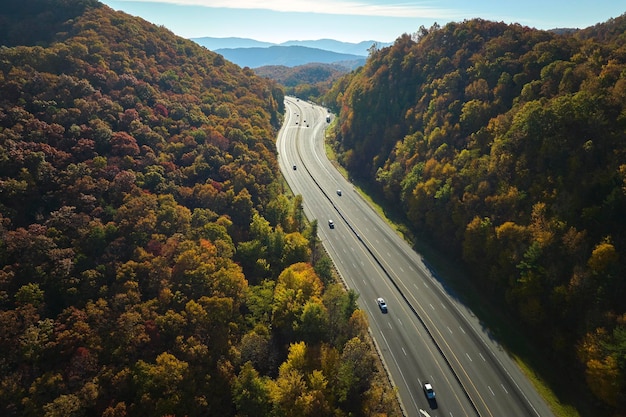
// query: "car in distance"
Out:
[339,193]
[294,167]
[381,304]
[331,224]
[429,391]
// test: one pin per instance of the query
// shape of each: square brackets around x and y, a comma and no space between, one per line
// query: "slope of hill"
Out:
[309,81]
[149,262]
[289,56]
[507,147]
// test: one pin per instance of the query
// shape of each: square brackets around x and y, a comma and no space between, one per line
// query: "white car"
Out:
[429,391]
[339,193]
[381,304]
[331,224]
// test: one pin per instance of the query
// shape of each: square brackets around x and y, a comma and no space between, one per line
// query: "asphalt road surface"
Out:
[426,333]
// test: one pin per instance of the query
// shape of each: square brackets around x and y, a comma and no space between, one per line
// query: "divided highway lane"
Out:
[376,262]
[405,268]
[410,356]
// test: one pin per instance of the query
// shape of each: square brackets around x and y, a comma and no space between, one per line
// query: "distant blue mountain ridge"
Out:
[332,45]
[288,56]
[254,54]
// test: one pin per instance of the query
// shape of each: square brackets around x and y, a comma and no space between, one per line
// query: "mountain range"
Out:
[360,48]
[251,53]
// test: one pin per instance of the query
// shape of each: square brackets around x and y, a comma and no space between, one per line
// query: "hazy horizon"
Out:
[353,21]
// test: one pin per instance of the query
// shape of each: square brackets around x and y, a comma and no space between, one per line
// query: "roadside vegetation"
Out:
[503,147]
[151,261]
[308,82]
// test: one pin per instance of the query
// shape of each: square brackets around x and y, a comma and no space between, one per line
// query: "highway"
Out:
[427,334]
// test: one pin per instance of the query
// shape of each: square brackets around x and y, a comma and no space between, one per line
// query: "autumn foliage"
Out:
[150,263]
[505,146]
[308,81]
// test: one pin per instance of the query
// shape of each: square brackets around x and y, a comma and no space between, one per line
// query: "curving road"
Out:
[427,334]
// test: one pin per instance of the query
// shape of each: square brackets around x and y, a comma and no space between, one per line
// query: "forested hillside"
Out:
[150,263]
[506,147]
[308,82]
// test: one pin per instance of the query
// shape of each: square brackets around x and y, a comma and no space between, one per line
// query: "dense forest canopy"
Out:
[150,261]
[506,146]
[308,82]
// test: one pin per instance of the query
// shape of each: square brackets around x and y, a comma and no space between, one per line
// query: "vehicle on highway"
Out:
[381,304]
[331,224]
[429,391]
[294,167]
[339,193]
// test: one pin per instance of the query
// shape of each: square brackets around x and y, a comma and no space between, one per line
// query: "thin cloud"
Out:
[354,8]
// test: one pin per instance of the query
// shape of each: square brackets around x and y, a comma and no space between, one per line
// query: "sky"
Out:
[355,20]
